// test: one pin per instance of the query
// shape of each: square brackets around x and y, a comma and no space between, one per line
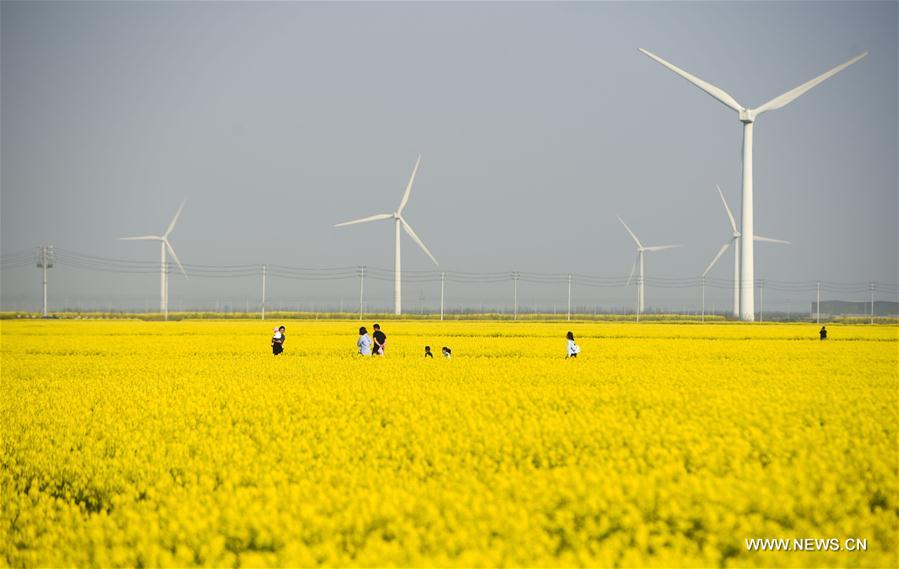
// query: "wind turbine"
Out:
[735,241]
[747,117]
[640,250]
[163,274]
[397,216]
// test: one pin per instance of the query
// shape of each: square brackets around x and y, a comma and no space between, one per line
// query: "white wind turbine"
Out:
[397,216]
[640,250]
[735,241]
[747,117]
[163,245]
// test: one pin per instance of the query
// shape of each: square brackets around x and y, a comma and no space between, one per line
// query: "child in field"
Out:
[428,353]
[447,353]
[573,348]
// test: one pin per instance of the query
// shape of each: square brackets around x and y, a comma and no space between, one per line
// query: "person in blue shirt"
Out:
[364,342]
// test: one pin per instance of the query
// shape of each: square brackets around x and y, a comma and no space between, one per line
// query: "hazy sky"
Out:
[537,123]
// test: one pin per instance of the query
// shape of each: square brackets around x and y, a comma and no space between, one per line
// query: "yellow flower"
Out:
[181,444]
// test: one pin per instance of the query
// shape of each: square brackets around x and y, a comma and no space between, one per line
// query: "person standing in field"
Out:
[573,349]
[823,332]
[379,338]
[278,341]
[364,342]
[428,353]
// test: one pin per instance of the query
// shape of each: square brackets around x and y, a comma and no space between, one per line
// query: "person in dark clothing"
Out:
[278,341]
[823,332]
[428,353]
[378,340]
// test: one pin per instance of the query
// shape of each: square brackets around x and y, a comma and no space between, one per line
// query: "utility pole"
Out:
[702,286]
[569,297]
[637,303]
[361,290]
[165,286]
[442,287]
[871,285]
[515,275]
[264,275]
[818,303]
[44,262]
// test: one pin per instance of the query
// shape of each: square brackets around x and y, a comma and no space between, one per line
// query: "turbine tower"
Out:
[735,241]
[163,274]
[747,117]
[640,250]
[399,221]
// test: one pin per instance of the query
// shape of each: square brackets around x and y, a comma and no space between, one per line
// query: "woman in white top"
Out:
[364,342]
[573,348]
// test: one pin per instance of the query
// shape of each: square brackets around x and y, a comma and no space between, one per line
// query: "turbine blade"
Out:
[715,92]
[415,238]
[141,238]
[661,247]
[637,241]
[378,217]
[405,199]
[770,240]
[789,96]
[730,216]
[174,220]
[171,251]
[718,256]
[633,268]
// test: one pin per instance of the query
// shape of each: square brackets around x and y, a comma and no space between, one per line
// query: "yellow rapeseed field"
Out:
[182,443]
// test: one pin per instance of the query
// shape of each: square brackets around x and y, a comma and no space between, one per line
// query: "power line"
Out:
[83,261]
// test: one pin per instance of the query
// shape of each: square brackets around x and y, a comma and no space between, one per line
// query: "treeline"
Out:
[492,316]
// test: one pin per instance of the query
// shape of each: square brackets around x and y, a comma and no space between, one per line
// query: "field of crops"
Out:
[181,443]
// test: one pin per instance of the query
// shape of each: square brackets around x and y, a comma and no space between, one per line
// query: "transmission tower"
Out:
[45,262]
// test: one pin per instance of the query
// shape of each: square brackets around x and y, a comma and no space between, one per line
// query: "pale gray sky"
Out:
[537,123]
